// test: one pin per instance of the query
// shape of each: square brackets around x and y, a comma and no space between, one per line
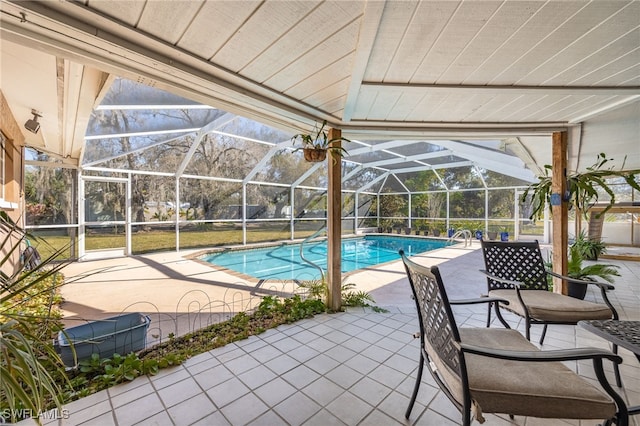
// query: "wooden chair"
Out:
[516,272]
[491,370]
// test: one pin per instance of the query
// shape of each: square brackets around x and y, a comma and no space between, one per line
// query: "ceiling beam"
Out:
[409,158]
[501,89]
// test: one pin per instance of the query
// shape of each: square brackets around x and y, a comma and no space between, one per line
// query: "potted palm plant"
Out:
[589,248]
[316,145]
[575,269]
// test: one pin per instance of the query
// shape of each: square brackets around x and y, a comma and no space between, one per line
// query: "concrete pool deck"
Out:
[174,283]
[351,368]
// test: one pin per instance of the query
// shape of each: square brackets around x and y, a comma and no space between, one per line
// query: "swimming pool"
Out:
[284,262]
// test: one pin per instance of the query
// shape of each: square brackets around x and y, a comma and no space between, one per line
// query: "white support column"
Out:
[292,223]
[409,212]
[355,213]
[546,232]
[378,208]
[516,210]
[127,218]
[177,213]
[244,213]
[486,211]
[448,215]
[81,215]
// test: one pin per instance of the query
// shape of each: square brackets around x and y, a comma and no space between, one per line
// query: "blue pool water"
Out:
[284,262]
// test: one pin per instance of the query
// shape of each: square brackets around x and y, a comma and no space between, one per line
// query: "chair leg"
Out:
[527,326]
[499,315]
[544,333]
[489,314]
[616,368]
[415,387]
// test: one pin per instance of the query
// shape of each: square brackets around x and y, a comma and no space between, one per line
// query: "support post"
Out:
[559,209]
[334,226]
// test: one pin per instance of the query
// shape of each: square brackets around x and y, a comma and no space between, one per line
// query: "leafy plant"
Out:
[319,139]
[582,188]
[353,297]
[318,290]
[29,364]
[575,268]
[589,248]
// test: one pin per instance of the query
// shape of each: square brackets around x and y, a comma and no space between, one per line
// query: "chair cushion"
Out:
[549,306]
[538,389]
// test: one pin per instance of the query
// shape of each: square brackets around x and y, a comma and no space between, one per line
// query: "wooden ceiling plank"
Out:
[329,94]
[337,71]
[327,53]
[521,42]
[593,48]
[129,12]
[428,104]
[602,108]
[396,17]
[556,41]
[162,21]
[507,19]
[463,26]
[369,25]
[608,71]
[214,25]
[422,31]
[407,103]
[262,29]
[303,37]
[382,106]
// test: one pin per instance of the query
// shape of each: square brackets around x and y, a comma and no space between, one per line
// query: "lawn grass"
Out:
[147,240]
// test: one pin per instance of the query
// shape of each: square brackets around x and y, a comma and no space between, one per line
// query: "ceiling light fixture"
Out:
[32,125]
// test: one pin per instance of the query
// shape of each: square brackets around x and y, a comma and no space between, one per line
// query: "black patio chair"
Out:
[516,272]
[495,370]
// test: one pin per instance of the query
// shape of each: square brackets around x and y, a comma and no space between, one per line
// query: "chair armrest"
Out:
[543,356]
[605,286]
[517,284]
[478,300]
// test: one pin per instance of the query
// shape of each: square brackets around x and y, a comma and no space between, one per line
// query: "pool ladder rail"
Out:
[309,238]
[468,238]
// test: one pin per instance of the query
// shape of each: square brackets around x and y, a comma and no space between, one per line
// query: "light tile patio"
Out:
[351,368]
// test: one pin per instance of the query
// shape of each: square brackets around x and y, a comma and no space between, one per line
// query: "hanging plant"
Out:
[581,188]
[316,145]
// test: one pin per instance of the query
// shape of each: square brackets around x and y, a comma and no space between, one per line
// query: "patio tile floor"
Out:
[351,368]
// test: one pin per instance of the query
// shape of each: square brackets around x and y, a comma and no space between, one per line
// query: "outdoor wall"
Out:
[11,201]
[616,233]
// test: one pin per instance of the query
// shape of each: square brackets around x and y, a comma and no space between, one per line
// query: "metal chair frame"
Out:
[439,329]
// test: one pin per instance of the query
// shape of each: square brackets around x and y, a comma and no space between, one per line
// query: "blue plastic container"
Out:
[121,334]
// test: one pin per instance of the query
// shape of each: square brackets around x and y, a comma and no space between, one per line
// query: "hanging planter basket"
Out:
[315,155]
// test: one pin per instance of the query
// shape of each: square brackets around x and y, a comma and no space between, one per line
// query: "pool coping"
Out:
[197,256]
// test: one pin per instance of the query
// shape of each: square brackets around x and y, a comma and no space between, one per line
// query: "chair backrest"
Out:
[515,261]
[438,330]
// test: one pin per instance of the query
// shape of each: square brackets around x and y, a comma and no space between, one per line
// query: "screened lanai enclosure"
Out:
[159,172]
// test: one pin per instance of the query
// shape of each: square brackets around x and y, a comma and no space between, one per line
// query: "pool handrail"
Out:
[309,238]
[465,233]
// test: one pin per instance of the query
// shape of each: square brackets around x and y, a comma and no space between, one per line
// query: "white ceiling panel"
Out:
[385,69]
[213,25]
[163,22]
